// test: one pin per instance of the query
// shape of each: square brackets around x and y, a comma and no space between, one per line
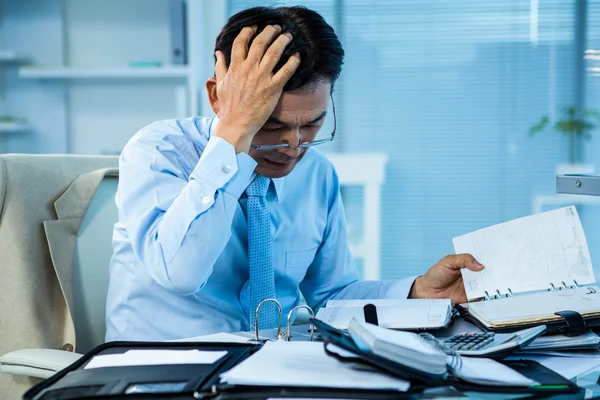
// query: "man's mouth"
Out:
[279,163]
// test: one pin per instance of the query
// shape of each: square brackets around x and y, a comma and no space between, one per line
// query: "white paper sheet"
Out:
[567,367]
[222,337]
[155,357]
[489,372]
[305,364]
[527,254]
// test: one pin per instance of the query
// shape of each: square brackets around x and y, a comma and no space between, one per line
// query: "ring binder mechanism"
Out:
[257,339]
[288,335]
[499,295]
[285,335]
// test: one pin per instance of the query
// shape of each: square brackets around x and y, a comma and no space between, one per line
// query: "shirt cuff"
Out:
[218,165]
[245,173]
[397,288]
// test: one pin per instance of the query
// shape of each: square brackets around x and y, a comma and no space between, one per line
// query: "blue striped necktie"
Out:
[260,254]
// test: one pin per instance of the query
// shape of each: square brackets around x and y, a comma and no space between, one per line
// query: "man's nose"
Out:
[293,138]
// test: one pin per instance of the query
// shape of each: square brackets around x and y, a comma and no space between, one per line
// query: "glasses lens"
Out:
[327,125]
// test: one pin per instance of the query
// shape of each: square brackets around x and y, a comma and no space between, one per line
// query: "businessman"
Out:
[217,214]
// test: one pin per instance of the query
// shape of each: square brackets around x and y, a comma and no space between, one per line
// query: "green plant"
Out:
[572,125]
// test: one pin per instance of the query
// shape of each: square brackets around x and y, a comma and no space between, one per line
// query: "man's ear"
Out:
[211,90]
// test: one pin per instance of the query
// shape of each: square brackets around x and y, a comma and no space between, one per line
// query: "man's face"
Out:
[298,117]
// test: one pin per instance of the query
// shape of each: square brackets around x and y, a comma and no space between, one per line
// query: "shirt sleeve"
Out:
[333,273]
[179,223]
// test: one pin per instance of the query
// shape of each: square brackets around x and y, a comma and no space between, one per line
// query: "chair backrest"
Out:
[93,250]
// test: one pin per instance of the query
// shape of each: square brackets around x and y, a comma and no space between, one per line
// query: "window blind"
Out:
[449,90]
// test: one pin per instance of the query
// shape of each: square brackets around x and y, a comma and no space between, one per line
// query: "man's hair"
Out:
[321,53]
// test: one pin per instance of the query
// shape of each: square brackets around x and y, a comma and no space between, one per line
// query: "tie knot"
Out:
[259,186]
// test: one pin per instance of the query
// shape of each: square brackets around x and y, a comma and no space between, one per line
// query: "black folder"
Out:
[188,381]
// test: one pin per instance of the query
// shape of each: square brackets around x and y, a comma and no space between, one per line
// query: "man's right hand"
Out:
[248,91]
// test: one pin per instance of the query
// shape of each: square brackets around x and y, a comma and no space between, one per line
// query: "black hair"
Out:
[321,53]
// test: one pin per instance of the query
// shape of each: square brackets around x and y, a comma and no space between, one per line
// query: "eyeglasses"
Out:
[303,145]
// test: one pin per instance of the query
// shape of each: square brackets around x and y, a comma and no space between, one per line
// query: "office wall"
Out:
[448,89]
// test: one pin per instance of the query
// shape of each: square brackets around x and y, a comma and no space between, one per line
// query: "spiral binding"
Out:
[499,295]
[509,293]
[454,361]
[563,286]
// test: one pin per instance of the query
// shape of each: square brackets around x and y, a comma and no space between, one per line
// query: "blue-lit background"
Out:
[447,89]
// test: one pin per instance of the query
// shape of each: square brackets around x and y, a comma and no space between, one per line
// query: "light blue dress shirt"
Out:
[180,262]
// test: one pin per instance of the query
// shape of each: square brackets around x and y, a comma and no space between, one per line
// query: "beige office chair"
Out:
[56,220]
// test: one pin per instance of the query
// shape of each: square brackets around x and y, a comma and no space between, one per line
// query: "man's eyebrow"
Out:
[273,120]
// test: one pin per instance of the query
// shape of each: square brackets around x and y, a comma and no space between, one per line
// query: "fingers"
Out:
[261,43]
[239,50]
[220,66]
[459,261]
[285,73]
[274,52]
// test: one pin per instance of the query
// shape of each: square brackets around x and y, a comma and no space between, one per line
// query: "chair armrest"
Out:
[39,363]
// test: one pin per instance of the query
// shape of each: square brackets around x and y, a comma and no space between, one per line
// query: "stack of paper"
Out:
[394,314]
[410,350]
[562,342]
[404,348]
[305,364]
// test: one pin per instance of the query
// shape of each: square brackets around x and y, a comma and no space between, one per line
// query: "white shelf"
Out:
[102,73]
[561,199]
[8,57]
[12,127]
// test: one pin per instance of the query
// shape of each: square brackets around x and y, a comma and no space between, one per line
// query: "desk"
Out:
[587,380]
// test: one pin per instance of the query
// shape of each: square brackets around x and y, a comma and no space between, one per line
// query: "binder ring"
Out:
[288,336]
[257,338]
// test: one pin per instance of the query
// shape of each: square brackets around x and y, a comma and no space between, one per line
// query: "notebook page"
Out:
[527,254]
[388,302]
[408,317]
[537,305]
[305,364]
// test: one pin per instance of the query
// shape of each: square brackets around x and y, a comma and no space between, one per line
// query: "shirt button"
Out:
[206,200]
[226,169]
[68,347]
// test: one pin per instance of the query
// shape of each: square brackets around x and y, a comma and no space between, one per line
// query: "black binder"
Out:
[194,381]
[551,383]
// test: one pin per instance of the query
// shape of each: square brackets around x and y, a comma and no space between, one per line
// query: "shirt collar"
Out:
[277,182]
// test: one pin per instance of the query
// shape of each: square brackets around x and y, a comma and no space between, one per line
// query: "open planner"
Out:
[537,271]
[407,314]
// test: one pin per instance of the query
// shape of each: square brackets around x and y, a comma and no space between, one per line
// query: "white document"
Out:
[431,314]
[305,364]
[155,357]
[386,302]
[565,366]
[222,337]
[484,371]
[527,254]
[559,341]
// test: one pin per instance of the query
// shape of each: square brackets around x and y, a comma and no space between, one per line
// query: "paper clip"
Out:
[257,339]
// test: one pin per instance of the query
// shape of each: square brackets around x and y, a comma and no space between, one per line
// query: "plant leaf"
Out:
[540,126]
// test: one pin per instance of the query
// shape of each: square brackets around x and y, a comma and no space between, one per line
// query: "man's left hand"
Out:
[444,280]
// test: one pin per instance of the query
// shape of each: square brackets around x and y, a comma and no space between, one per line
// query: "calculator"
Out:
[490,344]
